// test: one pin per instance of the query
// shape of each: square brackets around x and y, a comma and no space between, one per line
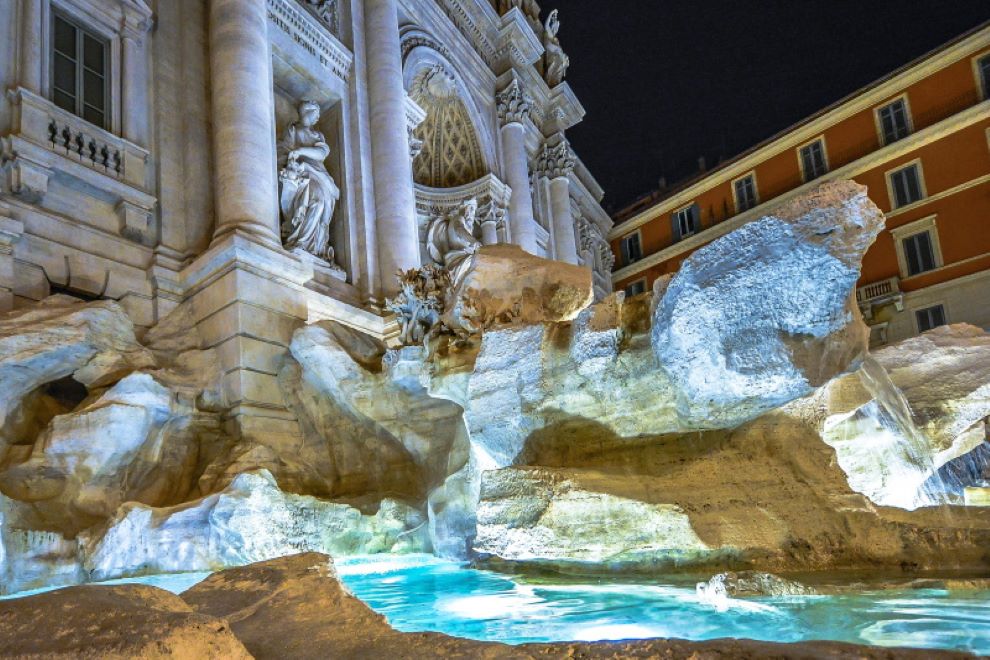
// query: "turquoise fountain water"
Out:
[422,593]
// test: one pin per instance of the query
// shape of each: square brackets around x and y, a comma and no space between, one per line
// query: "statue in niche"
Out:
[556,60]
[450,239]
[308,192]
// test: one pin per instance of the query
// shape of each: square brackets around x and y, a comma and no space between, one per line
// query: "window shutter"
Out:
[675,227]
[696,217]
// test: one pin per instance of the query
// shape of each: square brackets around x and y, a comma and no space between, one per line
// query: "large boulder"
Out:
[506,285]
[252,520]
[765,314]
[124,621]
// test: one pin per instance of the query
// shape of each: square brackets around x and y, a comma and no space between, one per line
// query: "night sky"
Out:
[666,81]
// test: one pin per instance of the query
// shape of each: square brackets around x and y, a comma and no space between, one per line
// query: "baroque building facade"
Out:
[919,139]
[276,162]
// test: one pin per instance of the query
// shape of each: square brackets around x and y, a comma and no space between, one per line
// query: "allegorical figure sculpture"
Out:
[556,60]
[420,303]
[308,192]
[450,239]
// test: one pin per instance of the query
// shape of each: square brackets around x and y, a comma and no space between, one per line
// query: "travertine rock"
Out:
[252,520]
[765,314]
[754,583]
[506,285]
[124,621]
[57,338]
[132,442]
[546,516]
[914,407]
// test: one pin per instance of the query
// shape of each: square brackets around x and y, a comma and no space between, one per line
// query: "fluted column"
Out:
[31,43]
[557,163]
[513,109]
[395,200]
[243,121]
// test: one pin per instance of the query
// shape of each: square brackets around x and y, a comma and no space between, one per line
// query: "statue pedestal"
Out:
[247,299]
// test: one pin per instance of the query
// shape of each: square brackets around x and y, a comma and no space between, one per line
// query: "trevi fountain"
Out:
[382,405]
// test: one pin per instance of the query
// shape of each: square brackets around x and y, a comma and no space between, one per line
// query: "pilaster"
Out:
[556,163]
[10,232]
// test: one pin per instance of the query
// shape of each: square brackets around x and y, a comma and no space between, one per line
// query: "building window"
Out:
[906,186]
[983,75]
[686,221]
[744,190]
[636,288]
[919,254]
[894,121]
[80,64]
[813,163]
[930,317]
[631,249]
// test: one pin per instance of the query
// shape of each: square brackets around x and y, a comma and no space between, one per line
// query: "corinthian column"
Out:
[557,163]
[243,122]
[395,200]
[134,76]
[513,109]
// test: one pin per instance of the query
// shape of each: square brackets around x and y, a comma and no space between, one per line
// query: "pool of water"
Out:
[423,593]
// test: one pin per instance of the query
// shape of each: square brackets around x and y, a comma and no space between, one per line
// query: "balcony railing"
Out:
[876,291]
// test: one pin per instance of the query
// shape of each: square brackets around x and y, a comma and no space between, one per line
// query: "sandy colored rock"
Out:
[125,621]
[765,314]
[506,285]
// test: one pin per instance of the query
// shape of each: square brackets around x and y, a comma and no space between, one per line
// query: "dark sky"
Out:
[665,81]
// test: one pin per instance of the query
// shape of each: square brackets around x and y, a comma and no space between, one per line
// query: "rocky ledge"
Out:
[295,607]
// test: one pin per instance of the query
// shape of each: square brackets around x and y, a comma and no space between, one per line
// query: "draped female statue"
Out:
[309,194]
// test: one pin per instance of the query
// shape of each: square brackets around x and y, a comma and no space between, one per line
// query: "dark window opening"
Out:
[930,317]
[918,253]
[79,71]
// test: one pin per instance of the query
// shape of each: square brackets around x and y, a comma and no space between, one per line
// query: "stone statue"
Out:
[420,303]
[450,239]
[308,194]
[556,61]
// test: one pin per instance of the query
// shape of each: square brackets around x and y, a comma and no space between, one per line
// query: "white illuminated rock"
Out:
[545,516]
[57,338]
[765,314]
[252,520]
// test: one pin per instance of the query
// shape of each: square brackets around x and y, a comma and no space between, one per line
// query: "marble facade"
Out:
[422,107]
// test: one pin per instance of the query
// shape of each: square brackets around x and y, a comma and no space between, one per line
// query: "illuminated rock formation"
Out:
[766,314]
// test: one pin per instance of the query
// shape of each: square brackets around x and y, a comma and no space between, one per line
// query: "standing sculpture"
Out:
[308,192]
[556,60]
[450,239]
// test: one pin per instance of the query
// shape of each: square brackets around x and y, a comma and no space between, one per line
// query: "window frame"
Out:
[689,209]
[928,308]
[100,20]
[82,31]
[641,280]
[982,86]
[735,192]
[907,116]
[622,250]
[800,157]
[889,178]
[927,224]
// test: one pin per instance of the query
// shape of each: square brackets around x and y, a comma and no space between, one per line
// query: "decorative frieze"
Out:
[514,105]
[311,34]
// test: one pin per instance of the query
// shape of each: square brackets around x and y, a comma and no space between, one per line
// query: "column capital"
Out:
[514,105]
[556,159]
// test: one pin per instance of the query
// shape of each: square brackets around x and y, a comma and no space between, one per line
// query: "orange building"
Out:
[919,139]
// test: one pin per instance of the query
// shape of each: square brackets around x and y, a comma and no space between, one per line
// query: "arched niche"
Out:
[458,145]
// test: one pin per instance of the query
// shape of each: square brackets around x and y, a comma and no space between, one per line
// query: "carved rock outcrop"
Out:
[252,520]
[765,314]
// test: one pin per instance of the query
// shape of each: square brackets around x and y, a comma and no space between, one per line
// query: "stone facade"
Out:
[230,130]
